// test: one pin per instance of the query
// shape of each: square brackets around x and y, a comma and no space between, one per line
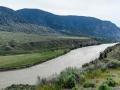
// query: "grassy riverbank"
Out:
[26,60]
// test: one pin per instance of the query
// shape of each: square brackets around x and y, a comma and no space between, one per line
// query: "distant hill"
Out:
[72,25]
[11,21]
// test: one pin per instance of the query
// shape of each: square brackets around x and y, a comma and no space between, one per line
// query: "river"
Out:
[75,58]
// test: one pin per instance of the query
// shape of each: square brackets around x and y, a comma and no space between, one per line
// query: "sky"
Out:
[102,9]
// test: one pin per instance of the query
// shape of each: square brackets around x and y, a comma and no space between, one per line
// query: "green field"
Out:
[12,61]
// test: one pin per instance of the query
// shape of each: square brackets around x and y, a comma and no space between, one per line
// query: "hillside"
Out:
[72,25]
[11,21]
[110,58]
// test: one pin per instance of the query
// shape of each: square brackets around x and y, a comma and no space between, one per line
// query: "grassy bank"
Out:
[26,60]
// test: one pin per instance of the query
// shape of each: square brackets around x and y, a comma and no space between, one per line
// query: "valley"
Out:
[40,50]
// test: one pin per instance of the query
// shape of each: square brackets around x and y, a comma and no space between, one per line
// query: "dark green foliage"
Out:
[70,81]
[69,77]
[88,84]
[75,88]
[85,65]
[104,87]
[21,87]
[110,82]
[107,84]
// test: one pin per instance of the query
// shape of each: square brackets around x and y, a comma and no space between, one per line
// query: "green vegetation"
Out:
[104,87]
[26,60]
[88,84]
[21,43]
[19,50]
[110,82]
[68,79]
[21,87]
[49,87]
[107,84]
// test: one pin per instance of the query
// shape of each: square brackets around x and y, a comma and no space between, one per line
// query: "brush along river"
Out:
[75,58]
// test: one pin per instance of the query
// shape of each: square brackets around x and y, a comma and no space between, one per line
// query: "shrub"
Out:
[75,71]
[110,82]
[88,84]
[68,77]
[70,82]
[67,82]
[92,62]
[114,64]
[21,87]
[85,65]
[103,69]
[104,87]
[75,88]
[93,73]
[43,81]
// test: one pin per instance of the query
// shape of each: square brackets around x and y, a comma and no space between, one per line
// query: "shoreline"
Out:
[40,62]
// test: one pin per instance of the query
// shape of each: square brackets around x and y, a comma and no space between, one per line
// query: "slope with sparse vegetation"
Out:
[11,21]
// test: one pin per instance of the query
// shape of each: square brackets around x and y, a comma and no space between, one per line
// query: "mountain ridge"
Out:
[35,21]
[72,25]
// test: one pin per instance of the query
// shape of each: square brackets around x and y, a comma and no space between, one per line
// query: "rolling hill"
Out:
[72,25]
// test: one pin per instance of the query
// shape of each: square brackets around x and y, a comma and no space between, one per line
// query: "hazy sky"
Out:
[102,9]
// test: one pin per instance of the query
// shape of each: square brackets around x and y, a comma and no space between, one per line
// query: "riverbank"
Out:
[56,48]
[22,61]
[75,58]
